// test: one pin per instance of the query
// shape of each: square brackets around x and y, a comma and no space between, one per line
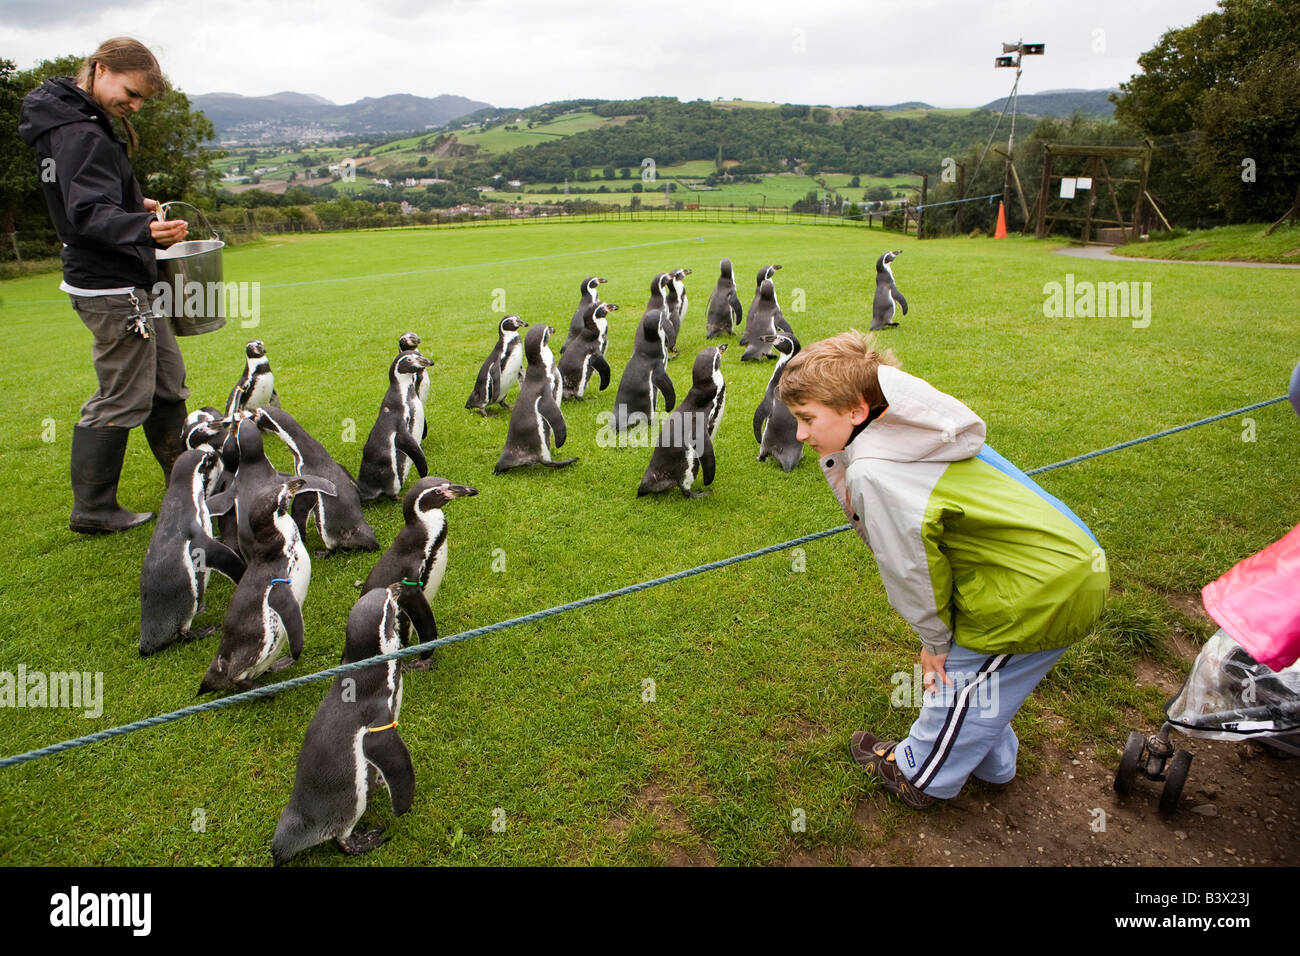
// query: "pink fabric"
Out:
[1258,602]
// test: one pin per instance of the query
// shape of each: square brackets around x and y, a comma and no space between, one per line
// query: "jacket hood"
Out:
[920,424]
[57,102]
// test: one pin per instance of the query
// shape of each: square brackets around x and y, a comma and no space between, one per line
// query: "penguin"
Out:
[500,369]
[205,428]
[392,446]
[181,554]
[266,609]
[685,442]
[338,517]
[676,301]
[419,552]
[253,475]
[765,319]
[774,426]
[587,354]
[410,342]
[882,307]
[256,387]
[589,297]
[352,743]
[646,375]
[536,415]
[724,313]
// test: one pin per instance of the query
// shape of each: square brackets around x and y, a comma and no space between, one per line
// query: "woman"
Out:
[110,232]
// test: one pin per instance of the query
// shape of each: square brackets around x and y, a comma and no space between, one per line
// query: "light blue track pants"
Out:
[966,728]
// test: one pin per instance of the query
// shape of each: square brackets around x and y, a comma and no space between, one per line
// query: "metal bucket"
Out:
[195,297]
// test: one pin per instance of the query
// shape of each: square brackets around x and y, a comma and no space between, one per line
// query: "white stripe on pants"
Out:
[966,728]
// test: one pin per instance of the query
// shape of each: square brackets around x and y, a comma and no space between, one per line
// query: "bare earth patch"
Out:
[1240,806]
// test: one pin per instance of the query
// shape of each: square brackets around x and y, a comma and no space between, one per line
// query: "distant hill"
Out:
[911,105]
[1061,103]
[304,117]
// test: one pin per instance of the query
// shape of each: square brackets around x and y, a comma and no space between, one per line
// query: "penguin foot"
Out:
[504,404]
[362,842]
[560,463]
[694,494]
[423,664]
[199,633]
[281,664]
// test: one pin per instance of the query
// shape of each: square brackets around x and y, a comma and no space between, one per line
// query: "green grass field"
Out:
[761,670]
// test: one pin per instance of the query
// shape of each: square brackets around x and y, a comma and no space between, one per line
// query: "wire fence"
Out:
[43,245]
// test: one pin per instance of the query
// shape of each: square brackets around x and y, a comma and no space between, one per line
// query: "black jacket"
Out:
[91,190]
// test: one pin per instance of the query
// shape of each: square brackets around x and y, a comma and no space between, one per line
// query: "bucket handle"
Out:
[162,215]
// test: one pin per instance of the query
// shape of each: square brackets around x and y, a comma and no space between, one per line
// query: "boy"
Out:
[996,576]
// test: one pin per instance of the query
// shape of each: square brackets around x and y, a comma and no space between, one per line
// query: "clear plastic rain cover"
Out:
[1229,696]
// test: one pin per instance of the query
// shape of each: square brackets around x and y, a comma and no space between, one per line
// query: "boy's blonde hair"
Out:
[837,372]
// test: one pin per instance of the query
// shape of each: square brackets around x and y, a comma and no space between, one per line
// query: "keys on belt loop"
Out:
[138,322]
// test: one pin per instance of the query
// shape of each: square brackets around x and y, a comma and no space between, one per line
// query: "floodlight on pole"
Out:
[1021,49]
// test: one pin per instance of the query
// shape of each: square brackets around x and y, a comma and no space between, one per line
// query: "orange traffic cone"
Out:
[1001,231]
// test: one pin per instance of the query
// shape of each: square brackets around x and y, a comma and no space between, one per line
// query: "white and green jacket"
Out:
[970,549]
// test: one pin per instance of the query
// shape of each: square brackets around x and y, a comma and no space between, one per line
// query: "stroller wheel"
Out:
[1175,777]
[1126,775]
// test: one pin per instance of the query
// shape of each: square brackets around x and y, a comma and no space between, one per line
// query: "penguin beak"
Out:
[601,281]
[610,307]
[461,491]
[776,267]
[723,347]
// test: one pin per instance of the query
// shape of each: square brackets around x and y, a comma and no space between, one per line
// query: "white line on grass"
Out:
[476,265]
[418,272]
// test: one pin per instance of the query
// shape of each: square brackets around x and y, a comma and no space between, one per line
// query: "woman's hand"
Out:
[170,232]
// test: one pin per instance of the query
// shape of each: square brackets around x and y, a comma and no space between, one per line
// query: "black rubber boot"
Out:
[97,455]
[162,429]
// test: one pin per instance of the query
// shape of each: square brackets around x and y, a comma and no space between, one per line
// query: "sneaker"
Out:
[877,758]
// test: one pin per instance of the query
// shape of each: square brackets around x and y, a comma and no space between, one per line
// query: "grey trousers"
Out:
[131,370]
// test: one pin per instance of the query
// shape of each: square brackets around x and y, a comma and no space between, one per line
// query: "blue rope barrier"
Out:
[272,689]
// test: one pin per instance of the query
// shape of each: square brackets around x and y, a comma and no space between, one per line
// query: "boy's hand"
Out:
[932,666]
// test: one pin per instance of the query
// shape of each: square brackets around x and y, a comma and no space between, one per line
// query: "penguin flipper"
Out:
[737,313]
[386,750]
[283,603]
[409,447]
[220,504]
[554,418]
[761,415]
[665,386]
[705,449]
[602,367]
[901,301]
[221,558]
[412,601]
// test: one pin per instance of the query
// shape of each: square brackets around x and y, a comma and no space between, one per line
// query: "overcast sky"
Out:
[509,53]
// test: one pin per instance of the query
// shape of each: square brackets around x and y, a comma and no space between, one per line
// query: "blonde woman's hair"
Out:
[123,55]
[837,372]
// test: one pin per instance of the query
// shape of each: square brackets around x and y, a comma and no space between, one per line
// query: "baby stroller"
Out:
[1245,682]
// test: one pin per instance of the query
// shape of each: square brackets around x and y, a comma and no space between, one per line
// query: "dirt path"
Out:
[1104,252]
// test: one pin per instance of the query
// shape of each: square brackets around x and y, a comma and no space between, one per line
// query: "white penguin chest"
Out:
[435,554]
[511,363]
[261,385]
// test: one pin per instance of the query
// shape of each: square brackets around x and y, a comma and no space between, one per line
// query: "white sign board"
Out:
[1067,188]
